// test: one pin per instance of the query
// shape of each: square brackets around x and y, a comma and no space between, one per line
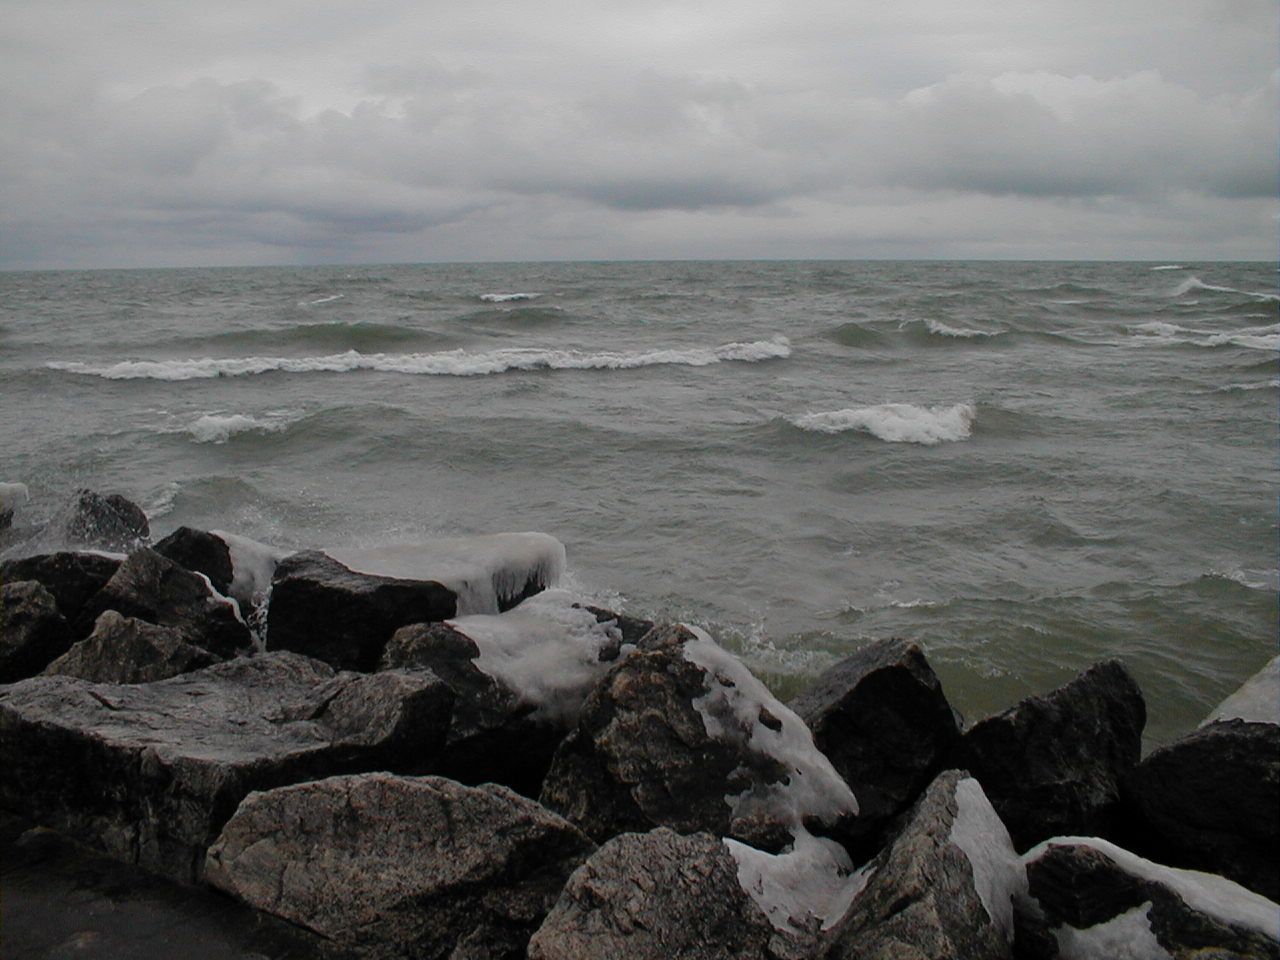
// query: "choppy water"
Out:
[1024,466]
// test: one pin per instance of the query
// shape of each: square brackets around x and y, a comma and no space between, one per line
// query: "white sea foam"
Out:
[12,496]
[897,422]
[1162,333]
[1170,266]
[455,363]
[330,299]
[219,428]
[965,333]
[1192,284]
[507,297]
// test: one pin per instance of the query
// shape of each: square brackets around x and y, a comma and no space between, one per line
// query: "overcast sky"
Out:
[166,133]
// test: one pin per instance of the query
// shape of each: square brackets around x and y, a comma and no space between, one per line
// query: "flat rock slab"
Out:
[149,773]
[128,650]
[419,867]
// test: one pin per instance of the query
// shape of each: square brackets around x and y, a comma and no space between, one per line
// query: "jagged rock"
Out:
[128,650]
[631,629]
[94,521]
[1211,801]
[654,896]
[420,867]
[943,890]
[32,631]
[1100,899]
[154,588]
[1257,700]
[882,719]
[325,610]
[200,552]
[149,773]
[679,734]
[72,578]
[1053,764]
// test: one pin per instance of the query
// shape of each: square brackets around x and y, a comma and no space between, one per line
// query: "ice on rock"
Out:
[1258,701]
[252,564]
[547,651]
[998,871]
[487,573]
[1126,936]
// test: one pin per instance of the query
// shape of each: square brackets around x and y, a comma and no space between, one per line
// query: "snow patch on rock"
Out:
[1126,936]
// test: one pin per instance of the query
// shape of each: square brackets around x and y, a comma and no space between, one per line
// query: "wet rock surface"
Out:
[32,631]
[200,552]
[128,650]
[73,578]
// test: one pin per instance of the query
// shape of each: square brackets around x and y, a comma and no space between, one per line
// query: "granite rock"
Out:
[128,650]
[32,631]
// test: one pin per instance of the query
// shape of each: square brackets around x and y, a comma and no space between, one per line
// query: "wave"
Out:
[1170,266]
[1272,384]
[219,428]
[940,329]
[1192,284]
[507,297]
[455,363]
[337,334]
[897,422]
[328,299]
[1167,334]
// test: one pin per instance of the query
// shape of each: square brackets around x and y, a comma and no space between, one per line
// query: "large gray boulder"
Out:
[654,896]
[32,631]
[200,552]
[1101,900]
[943,890]
[419,867]
[882,719]
[128,650]
[679,734]
[1054,764]
[1211,801]
[149,773]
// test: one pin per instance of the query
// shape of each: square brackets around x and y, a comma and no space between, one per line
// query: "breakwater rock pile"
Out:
[431,751]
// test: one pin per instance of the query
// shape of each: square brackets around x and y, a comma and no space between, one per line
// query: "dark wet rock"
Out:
[102,522]
[325,610]
[149,773]
[942,890]
[654,896]
[157,590]
[200,552]
[631,629]
[72,578]
[1053,764]
[663,741]
[128,650]
[32,631]
[1078,886]
[884,722]
[419,867]
[1211,801]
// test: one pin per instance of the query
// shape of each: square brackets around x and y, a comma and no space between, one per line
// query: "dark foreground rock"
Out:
[942,890]
[128,650]
[1211,801]
[72,578]
[201,552]
[680,735]
[884,722]
[32,631]
[1103,901]
[1053,764]
[654,896]
[419,867]
[325,610]
[150,773]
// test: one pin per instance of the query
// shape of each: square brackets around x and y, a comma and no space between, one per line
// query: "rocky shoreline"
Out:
[433,752]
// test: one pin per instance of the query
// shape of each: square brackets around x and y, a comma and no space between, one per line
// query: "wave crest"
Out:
[897,422]
[219,428]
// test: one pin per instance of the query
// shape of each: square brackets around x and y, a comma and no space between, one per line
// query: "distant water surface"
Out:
[1025,467]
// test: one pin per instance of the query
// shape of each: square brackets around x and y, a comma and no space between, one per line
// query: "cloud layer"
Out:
[318,132]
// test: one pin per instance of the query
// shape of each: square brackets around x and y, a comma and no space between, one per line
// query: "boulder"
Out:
[128,650]
[155,589]
[72,578]
[943,890]
[679,734]
[882,719]
[326,610]
[1053,764]
[420,867]
[630,629]
[97,522]
[653,896]
[32,631]
[1103,901]
[1211,801]
[200,552]
[149,773]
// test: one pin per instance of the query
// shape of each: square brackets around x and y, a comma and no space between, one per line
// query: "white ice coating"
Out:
[546,650]
[1209,893]
[1126,936]
[815,878]
[998,871]
[481,570]
[897,422]
[734,694]
[253,564]
[1257,701]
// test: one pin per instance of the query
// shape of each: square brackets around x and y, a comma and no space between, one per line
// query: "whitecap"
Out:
[1191,284]
[330,299]
[455,363]
[897,422]
[507,297]
[219,428]
[943,330]
[1170,266]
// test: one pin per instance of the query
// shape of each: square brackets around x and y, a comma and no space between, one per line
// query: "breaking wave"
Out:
[455,363]
[507,297]
[219,428]
[897,422]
